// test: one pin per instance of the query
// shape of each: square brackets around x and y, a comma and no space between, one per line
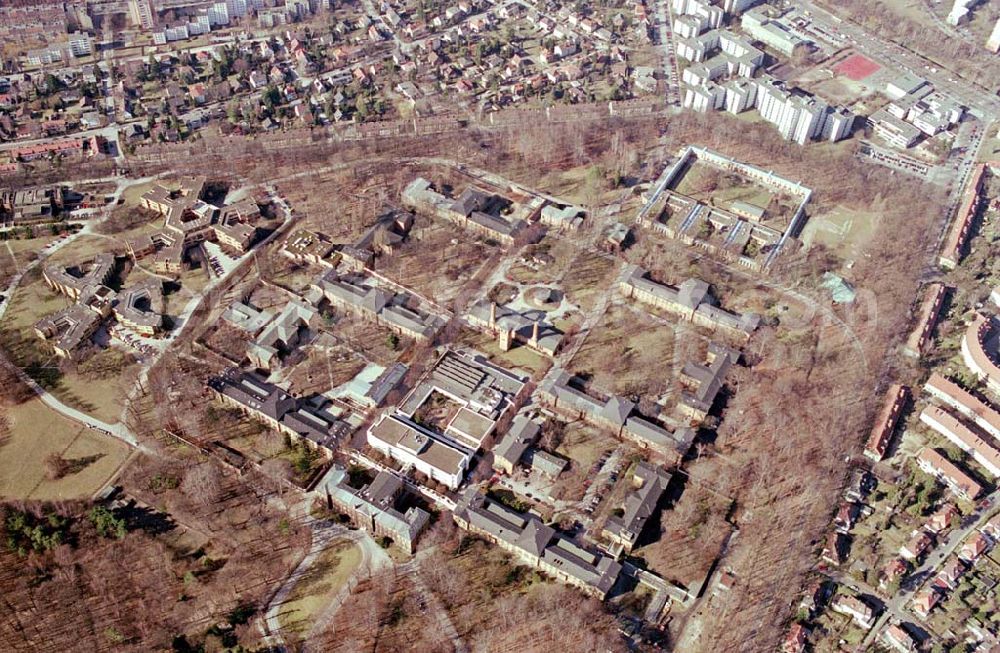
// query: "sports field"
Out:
[857,67]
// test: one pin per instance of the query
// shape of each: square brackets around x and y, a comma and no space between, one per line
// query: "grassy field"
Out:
[36,431]
[562,251]
[589,276]
[843,231]
[436,260]
[519,358]
[622,349]
[314,591]
[583,445]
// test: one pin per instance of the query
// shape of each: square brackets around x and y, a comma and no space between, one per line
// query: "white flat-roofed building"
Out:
[432,454]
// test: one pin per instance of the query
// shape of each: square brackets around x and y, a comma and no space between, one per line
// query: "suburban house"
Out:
[795,639]
[898,639]
[536,544]
[858,610]
[916,546]
[925,600]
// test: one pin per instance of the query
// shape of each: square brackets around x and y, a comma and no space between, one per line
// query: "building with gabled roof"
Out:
[958,433]
[963,402]
[836,548]
[359,295]
[925,600]
[649,483]
[510,450]
[374,507]
[885,424]
[862,613]
[795,639]
[473,209]
[893,571]
[703,382]
[615,415]
[948,473]
[509,326]
[307,420]
[941,519]
[282,334]
[979,350]
[918,341]
[918,544]
[974,546]
[899,639]
[692,300]
[536,544]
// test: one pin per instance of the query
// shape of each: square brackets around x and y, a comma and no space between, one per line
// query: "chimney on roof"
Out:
[493,315]
[534,335]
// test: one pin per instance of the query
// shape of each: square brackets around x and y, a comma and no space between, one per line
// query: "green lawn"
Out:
[314,591]
[36,432]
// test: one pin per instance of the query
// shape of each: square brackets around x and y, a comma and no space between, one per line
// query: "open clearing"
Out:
[314,591]
[35,432]
[843,231]
[621,350]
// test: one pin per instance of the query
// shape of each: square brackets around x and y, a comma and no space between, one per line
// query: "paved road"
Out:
[323,533]
[894,56]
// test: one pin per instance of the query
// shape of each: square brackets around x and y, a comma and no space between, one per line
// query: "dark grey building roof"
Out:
[640,504]
[522,434]
[538,540]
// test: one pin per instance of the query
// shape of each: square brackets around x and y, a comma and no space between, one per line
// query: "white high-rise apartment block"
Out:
[993,43]
[236,8]
[218,14]
[960,11]
[80,44]
[141,14]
